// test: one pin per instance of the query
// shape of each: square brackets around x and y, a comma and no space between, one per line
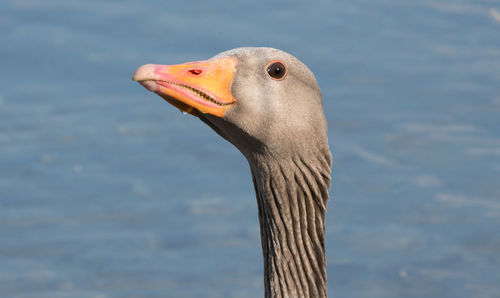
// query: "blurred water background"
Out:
[108,191]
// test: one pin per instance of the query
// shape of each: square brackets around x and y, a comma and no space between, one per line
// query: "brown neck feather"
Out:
[292,194]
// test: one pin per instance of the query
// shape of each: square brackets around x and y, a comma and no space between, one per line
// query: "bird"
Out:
[268,104]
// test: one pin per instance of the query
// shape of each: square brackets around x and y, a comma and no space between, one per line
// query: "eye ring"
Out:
[276,70]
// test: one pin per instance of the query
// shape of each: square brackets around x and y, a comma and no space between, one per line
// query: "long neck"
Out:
[292,194]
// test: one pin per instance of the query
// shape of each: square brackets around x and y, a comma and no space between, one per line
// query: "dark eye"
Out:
[276,70]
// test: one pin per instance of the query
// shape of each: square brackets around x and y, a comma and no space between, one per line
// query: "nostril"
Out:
[195,71]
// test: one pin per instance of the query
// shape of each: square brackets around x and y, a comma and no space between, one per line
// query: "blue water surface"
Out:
[108,191]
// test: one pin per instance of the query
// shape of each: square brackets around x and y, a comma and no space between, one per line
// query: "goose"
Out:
[268,104]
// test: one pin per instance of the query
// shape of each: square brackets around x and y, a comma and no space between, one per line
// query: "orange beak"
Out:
[194,87]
